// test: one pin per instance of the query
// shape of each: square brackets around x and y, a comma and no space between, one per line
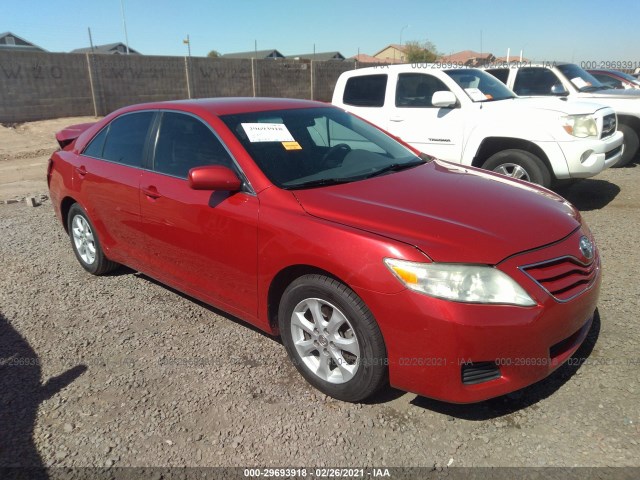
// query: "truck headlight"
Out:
[459,282]
[581,126]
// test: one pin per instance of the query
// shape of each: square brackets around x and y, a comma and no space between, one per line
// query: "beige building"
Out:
[393,53]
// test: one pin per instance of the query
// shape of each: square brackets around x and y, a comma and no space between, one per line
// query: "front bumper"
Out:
[587,158]
[430,342]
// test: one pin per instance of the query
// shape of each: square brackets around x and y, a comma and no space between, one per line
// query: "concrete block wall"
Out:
[37,86]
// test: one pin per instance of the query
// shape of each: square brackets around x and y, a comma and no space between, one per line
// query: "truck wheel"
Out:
[631,144]
[519,164]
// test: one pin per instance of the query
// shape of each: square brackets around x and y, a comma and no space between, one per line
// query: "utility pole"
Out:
[124,24]
[90,39]
[188,42]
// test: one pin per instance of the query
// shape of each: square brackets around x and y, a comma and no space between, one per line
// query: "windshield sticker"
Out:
[580,83]
[475,94]
[291,146]
[267,132]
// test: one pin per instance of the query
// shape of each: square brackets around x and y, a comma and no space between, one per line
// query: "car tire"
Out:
[631,144]
[332,338]
[519,164]
[85,243]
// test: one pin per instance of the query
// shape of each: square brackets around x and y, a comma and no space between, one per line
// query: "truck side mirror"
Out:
[559,90]
[444,99]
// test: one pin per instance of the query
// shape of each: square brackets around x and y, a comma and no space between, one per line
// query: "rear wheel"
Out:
[332,338]
[631,144]
[85,243]
[519,164]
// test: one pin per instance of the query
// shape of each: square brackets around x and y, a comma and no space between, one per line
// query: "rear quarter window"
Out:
[96,146]
[365,91]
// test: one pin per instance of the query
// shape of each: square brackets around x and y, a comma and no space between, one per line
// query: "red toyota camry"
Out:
[374,264]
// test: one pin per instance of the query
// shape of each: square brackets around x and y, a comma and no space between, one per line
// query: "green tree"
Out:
[417,52]
[213,54]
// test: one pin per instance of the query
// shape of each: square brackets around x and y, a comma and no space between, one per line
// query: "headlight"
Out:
[581,126]
[460,283]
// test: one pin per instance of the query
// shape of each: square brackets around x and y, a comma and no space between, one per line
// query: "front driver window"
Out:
[185,142]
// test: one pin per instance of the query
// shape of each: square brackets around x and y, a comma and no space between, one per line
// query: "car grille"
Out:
[564,278]
[609,125]
[612,153]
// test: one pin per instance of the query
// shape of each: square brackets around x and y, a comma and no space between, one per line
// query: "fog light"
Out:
[585,156]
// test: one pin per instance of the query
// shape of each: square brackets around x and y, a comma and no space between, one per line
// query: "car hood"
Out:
[450,212]
[612,93]
[551,104]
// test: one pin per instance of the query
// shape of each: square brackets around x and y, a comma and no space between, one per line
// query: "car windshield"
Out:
[313,147]
[626,76]
[480,86]
[580,78]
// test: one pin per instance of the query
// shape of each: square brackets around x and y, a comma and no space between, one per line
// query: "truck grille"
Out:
[609,125]
[564,278]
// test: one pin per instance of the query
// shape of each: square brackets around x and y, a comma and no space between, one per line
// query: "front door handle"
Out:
[81,170]
[396,119]
[151,192]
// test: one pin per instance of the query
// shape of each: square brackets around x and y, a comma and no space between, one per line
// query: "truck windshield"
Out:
[316,147]
[581,79]
[479,85]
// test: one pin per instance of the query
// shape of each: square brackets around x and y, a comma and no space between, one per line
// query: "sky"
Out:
[545,30]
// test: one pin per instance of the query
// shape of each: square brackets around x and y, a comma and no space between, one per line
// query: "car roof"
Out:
[605,70]
[432,68]
[227,105]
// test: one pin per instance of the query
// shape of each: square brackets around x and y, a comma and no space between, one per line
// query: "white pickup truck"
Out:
[467,116]
[571,81]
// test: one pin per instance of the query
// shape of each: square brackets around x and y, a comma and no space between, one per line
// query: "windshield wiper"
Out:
[396,167]
[323,182]
[593,88]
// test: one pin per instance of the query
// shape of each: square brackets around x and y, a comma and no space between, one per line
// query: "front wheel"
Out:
[519,164]
[332,338]
[631,144]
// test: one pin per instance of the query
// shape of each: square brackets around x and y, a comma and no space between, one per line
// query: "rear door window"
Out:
[534,81]
[365,91]
[126,138]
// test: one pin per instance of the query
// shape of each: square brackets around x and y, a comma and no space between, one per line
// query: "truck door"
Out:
[413,117]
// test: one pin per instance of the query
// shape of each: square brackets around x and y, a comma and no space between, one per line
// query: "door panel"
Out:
[110,194]
[108,176]
[201,241]
[413,118]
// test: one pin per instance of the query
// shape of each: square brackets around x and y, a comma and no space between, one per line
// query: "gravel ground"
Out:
[122,371]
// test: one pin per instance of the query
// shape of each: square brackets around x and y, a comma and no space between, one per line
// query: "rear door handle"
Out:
[396,119]
[151,192]
[81,170]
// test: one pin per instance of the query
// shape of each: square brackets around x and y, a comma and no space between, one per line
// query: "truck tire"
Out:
[631,144]
[519,164]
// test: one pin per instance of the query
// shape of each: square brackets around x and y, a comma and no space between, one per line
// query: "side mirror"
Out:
[444,99]
[214,177]
[559,90]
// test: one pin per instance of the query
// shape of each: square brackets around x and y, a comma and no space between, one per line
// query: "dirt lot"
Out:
[121,371]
